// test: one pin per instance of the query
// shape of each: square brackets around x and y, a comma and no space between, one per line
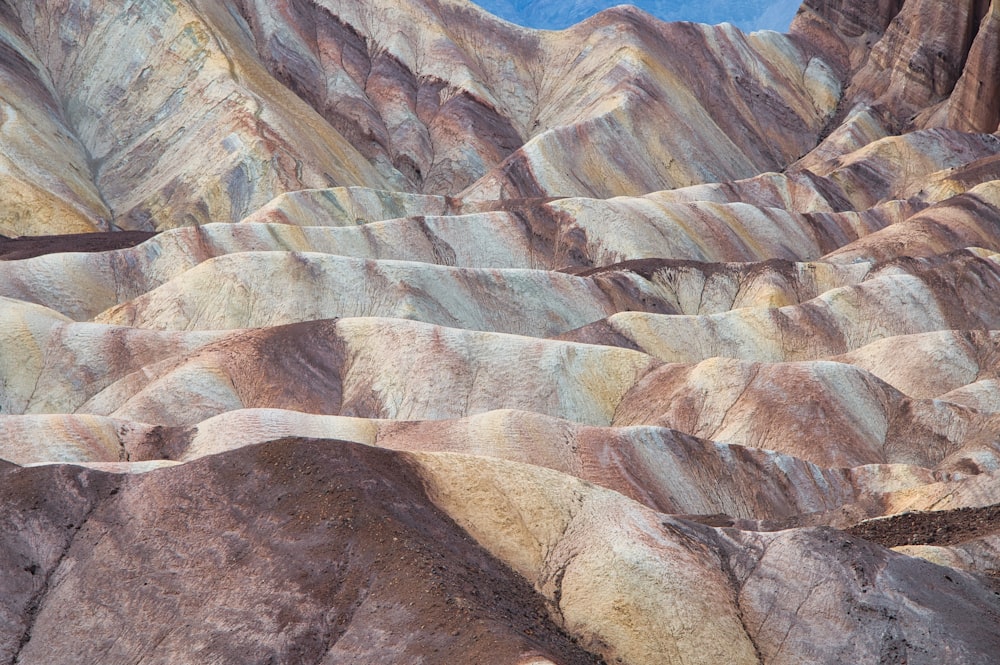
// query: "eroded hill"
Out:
[397,333]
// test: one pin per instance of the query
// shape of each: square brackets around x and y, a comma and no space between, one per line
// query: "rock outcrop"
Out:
[388,331]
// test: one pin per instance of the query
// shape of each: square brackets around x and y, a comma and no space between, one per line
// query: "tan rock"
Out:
[624,595]
[249,290]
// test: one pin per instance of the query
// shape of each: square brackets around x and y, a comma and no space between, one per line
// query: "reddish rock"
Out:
[281,553]
[573,278]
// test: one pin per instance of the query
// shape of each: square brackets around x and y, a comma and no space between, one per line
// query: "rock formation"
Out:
[338,331]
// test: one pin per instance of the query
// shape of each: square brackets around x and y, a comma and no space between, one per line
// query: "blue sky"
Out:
[556,14]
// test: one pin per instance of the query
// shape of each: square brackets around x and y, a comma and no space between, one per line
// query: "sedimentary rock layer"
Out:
[391,332]
[333,544]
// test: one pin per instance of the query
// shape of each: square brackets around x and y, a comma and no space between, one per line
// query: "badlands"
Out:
[385,331]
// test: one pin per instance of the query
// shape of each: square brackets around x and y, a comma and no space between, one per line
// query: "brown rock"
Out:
[283,553]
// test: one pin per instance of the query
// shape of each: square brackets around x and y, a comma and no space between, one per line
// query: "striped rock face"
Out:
[382,331]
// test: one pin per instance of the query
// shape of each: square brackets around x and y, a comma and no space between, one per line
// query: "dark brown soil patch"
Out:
[941,528]
[295,551]
[717,520]
[27,247]
[162,443]
[599,333]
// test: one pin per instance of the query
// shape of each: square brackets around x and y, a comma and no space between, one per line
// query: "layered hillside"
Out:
[390,332]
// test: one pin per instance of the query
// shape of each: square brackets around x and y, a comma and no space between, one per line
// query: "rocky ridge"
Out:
[398,333]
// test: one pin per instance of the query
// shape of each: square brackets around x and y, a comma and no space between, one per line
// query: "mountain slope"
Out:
[438,339]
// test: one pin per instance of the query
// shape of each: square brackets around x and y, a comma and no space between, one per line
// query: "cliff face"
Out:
[921,64]
[391,332]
